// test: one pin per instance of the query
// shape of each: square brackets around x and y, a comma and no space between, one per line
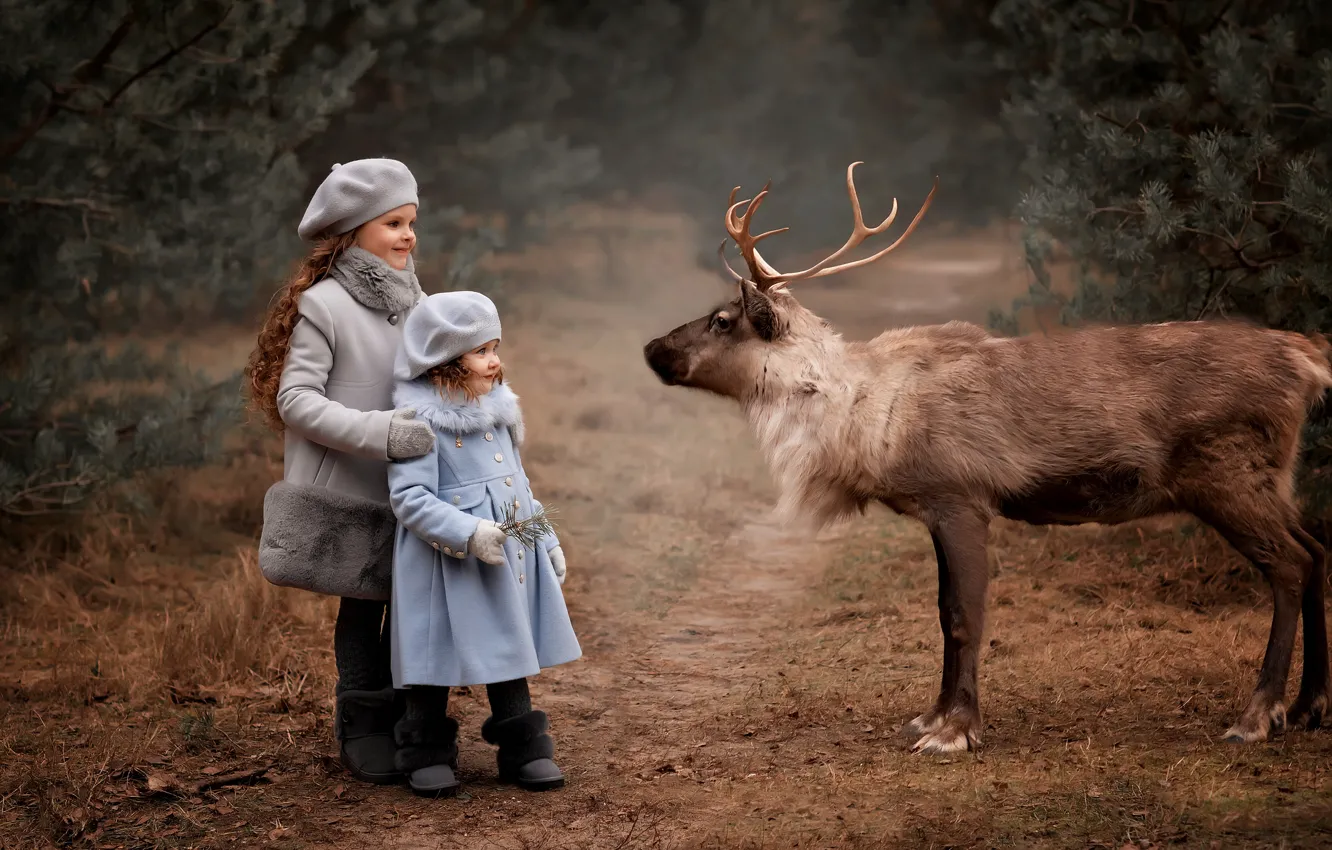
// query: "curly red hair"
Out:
[452,377]
[263,372]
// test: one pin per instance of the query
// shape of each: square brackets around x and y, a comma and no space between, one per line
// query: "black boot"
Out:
[427,749]
[363,725]
[367,706]
[525,750]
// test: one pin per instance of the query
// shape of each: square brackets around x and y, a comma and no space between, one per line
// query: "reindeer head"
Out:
[727,351]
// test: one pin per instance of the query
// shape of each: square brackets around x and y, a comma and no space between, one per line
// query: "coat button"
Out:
[457,499]
[434,544]
[521,577]
[508,481]
[393,318]
[489,436]
[448,551]
[520,554]
[499,458]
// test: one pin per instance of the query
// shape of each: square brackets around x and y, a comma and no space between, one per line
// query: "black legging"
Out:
[361,645]
[507,699]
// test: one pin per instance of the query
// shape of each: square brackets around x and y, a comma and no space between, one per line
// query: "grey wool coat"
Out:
[457,620]
[327,525]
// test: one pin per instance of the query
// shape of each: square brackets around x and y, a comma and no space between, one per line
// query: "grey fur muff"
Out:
[327,542]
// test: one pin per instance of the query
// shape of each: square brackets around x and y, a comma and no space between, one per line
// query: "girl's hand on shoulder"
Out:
[557,561]
[408,437]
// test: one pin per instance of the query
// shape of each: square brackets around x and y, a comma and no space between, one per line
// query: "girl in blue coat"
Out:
[471,605]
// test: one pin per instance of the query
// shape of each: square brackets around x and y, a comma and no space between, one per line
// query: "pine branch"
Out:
[530,530]
[37,499]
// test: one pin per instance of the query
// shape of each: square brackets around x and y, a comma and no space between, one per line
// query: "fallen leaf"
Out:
[338,791]
[211,771]
[161,782]
[277,833]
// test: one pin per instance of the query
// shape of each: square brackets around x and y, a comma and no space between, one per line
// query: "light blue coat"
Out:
[457,620]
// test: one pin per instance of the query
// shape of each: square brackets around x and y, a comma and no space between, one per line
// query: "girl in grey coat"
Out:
[471,605]
[322,375]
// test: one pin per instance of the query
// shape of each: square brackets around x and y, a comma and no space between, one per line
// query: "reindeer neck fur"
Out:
[803,412]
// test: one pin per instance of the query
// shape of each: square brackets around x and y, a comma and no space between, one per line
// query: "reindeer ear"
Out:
[760,312]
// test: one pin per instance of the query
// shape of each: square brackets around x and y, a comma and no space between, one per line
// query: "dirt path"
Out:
[741,686]
[681,589]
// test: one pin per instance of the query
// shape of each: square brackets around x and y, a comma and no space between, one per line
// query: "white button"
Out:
[433,543]
[448,551]
[489,436]
[498,457]
[521,576]
[509,481]
[520,554]
[457,499]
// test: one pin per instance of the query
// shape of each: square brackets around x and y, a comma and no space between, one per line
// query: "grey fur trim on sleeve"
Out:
[328,542]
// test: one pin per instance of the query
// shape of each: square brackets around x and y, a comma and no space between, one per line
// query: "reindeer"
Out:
[953,427]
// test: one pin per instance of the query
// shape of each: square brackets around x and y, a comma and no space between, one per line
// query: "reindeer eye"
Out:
[721,323]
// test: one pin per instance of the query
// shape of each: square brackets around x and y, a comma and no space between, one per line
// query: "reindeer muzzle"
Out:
[662,360]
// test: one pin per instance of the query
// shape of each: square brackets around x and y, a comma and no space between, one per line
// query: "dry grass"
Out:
[1116,658]
[739,689]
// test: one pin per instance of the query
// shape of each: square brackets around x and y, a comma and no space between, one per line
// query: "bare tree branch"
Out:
[87,204]
[83,72]
[167,57]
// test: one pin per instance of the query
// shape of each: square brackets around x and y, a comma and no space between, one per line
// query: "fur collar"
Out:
[375,283]
[497,407]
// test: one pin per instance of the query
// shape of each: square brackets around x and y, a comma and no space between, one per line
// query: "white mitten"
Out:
[487,543]
[557,561]
[408,437]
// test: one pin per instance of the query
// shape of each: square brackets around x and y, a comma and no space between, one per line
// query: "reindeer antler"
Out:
[738,228]
[765,276]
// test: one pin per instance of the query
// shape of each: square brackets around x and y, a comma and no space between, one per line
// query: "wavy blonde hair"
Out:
[263,372]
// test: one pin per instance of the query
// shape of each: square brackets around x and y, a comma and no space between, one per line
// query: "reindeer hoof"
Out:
[1257,725]
[1309,709]
[952,735]
[925,724]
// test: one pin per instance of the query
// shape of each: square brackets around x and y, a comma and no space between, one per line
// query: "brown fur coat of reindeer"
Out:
[953,426]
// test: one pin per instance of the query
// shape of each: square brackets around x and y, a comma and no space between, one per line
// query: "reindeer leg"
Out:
[961,539]
[1312,701]
[1287,567]
[931,720]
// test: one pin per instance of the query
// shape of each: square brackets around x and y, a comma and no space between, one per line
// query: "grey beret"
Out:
[444,326]
[355,192]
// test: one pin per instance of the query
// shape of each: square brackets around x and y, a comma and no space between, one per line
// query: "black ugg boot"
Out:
[525,750]
[428,753]
[363,725]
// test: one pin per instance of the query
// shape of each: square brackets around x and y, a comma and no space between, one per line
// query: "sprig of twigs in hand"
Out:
[527,531]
